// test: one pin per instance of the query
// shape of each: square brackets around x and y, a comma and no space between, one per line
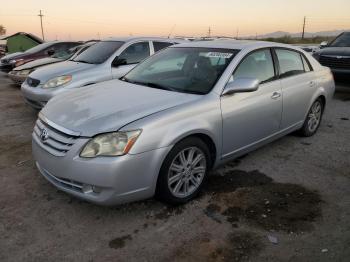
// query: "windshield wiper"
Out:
[82,61]
[149,84]
[158,86]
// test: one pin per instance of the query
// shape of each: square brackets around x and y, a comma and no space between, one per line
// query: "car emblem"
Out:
[44,135]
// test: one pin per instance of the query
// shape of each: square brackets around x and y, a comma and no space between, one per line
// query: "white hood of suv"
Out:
[108,106]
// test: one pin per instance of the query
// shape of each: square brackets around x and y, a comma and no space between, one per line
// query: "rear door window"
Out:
[290,62]
[160,45]
[135,53]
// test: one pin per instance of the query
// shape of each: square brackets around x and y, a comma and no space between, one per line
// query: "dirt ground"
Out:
[288,201]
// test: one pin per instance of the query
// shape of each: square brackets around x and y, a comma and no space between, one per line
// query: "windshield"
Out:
[65,54]
[38,48]
[99,52]
[188,70]
[341,41]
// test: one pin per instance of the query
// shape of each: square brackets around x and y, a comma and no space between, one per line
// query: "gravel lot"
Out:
[288,201]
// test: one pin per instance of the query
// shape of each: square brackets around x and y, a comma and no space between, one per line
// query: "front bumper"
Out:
[37,97]
[18,79]
[118,179]
[6,67]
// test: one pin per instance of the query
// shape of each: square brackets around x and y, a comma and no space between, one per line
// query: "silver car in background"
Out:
[19,74]
[108,59]
[185,110]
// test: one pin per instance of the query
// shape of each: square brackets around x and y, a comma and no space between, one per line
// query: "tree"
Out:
[2,30]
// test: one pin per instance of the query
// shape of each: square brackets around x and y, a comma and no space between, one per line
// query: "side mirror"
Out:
[323,44]
[50,52]
[241,85]
[119,62]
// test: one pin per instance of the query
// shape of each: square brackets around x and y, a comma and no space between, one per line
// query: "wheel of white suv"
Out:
[184,171]
[313,119]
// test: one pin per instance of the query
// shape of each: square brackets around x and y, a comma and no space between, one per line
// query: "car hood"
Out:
[335,51]
[58,69]
[108,106]
[37,63]
[11,56]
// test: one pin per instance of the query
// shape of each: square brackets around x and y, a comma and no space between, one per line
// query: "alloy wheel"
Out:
[186,172]
[314,116]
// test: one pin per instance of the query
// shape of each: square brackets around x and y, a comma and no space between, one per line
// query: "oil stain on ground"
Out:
[239,246]
[119,242]
[254,198]
[169,211]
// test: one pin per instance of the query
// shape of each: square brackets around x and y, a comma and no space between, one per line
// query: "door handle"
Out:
[311,83]
[276,95]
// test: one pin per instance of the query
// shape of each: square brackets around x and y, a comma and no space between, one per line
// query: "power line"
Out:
[41,23]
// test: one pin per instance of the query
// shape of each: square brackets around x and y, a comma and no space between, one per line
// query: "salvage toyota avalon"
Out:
[187,109]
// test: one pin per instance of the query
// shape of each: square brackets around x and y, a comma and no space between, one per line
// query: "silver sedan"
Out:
[180,113]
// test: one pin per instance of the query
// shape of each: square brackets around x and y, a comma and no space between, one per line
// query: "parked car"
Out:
[5,61]
[40,51]
[19,74]
[309,48]
[106,60]
[336,54]
[185,110]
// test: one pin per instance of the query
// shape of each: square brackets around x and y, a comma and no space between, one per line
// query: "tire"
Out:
[177,175]
[313,119]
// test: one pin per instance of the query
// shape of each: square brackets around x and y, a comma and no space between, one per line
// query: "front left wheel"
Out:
[184,171]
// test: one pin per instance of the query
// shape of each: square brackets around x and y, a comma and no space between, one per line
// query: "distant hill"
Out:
[278,34]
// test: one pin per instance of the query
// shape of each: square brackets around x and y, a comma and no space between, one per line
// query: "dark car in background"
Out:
[336,54]
[34,53]
[20,73]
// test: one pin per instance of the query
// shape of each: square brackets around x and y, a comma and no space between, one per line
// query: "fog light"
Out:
[87,189]
[96,189]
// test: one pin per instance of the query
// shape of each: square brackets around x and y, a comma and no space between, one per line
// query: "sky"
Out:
[87,19]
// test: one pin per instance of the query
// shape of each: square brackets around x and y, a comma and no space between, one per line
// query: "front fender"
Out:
[168,127]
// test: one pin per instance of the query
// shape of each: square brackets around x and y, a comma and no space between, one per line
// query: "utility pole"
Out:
[237,33]
[41,22]
[209,32]
[303,34]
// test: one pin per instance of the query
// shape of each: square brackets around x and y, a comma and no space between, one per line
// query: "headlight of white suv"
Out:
[110,144]
[57,81]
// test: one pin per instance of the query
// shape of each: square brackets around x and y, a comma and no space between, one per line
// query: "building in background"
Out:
[20,42]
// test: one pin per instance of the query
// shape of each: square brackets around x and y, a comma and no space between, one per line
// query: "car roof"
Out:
[135,38]
[232,44]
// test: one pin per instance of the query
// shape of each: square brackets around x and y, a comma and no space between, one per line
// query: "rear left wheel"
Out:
[313,119]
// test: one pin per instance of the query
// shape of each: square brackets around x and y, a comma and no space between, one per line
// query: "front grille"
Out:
[33,82]
[335,62]
[52,140]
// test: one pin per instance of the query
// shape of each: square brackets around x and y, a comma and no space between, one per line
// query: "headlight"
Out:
[14,61]
[24,72]
[111,144]
[57,81]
